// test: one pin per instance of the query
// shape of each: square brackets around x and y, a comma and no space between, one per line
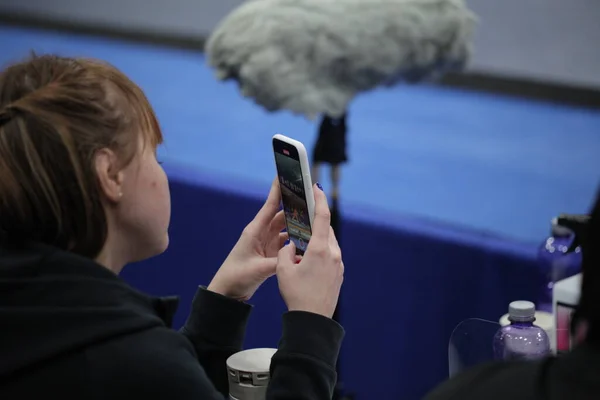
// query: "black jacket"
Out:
[72,329]
[573,376]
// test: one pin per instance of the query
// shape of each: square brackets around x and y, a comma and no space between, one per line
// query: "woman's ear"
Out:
[110,174]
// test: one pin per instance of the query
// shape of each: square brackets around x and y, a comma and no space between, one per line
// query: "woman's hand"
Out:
[254,257]
[312,283]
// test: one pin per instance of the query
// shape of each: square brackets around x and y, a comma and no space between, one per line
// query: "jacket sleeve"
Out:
[303,366]
[216,327]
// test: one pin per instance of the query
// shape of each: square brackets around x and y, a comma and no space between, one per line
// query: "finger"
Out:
[322,220]
[287,255]
[334,247]
[270,208]
[283,237]
[277,223]
[333,242]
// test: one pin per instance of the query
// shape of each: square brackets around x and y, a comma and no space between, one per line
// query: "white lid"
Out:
[521,310]
[251,361]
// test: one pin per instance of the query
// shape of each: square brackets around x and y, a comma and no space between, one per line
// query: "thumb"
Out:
[287,254]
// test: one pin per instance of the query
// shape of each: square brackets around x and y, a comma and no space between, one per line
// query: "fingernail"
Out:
[319,186]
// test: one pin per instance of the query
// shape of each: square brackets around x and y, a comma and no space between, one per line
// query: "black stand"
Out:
[339,393]
[330,148]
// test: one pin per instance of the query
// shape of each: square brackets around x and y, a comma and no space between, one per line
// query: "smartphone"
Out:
[293,171]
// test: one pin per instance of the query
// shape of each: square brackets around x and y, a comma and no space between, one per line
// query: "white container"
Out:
[248,373]
[566,295]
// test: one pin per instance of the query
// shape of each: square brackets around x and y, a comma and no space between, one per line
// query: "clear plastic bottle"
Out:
[560,254]
[521,340]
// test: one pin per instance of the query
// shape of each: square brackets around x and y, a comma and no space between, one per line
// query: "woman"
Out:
[81,196]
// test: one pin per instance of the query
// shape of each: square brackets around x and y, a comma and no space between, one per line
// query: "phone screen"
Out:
[293,197]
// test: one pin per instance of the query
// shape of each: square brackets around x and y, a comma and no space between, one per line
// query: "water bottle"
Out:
[521,340]
[559,256]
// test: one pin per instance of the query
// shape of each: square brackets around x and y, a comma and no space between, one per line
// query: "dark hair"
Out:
[55,114]
[589,304]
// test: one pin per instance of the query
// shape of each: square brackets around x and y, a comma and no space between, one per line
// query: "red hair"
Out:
[55,114]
